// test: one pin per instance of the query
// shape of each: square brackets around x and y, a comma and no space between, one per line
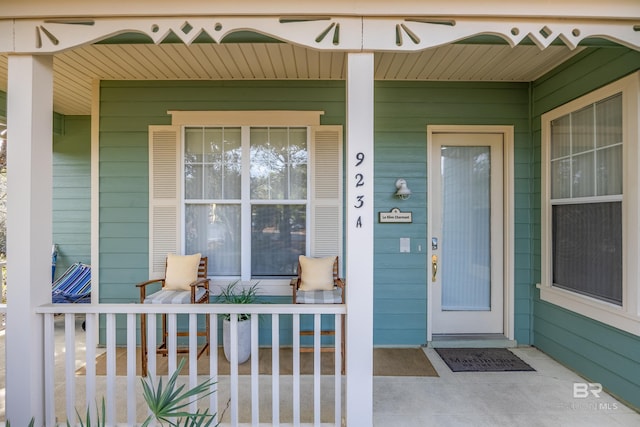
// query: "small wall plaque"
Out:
[394,216]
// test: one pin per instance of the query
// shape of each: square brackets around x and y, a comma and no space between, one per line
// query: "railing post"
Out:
[359,230]
[29,230]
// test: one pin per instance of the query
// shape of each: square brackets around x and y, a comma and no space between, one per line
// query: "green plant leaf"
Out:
[167,403]
[100,421]
[231,295]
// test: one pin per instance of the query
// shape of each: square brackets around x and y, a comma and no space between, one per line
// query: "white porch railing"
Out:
[246,395]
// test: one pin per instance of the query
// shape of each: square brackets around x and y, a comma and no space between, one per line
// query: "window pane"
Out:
[193,163]
[609,121]
[575,139]
[278,237]
[561,137]
[278,157]
[583,179]
[609,170]
[213,181]
[298,155]
[582,138]
[278,163]
[214,231]
[193,181]
[212,144]
[193,145]
[222,157]
[266,168]
[212,162]
[232,163]
[561,179]
[587,249]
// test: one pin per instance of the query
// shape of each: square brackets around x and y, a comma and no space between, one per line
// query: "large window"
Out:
[252,190]
[586,199]
[589,217]
[271,205]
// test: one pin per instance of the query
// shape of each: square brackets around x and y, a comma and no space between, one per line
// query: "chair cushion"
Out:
[173,297]
[182,270]
[333,296]
[316,273]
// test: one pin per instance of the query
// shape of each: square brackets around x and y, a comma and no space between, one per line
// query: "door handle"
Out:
[434,267]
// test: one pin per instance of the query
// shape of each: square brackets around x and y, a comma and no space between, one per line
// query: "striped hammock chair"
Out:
[74,286]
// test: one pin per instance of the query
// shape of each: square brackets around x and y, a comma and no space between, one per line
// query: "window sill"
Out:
[607,313]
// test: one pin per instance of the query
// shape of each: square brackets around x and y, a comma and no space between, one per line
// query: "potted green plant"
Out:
[235,294]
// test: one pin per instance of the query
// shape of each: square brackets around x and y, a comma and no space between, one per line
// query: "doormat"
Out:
[402,362]
[386,362]
[482,360]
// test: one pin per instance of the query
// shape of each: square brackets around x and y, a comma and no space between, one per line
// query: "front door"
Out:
[466,265]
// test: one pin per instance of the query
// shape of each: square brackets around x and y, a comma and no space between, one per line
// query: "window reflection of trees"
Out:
[213,163]
[278,163]
[278,171]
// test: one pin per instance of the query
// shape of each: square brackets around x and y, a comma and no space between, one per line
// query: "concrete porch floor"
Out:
[540,398]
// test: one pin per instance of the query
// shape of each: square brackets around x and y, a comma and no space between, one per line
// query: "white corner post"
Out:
[359,241]
[29,228]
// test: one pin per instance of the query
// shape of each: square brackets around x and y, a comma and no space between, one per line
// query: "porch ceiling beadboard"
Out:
[514,46]
[74,70]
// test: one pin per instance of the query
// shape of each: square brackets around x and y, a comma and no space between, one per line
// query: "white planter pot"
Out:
[244,340]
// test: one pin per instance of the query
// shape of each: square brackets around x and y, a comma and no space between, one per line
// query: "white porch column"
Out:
[359,241]
[29,227]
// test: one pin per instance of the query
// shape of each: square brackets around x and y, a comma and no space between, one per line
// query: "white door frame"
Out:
[508,194]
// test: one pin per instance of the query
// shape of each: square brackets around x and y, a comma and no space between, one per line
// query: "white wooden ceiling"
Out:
[74,70]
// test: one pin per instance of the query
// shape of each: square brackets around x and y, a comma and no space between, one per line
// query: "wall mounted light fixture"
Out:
[403,191]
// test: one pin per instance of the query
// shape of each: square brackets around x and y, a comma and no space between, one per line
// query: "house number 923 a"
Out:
[359,183]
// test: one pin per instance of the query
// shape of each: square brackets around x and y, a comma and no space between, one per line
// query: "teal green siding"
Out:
[126,110]
[596,351]
[72,192]
[402,112]
[599,352]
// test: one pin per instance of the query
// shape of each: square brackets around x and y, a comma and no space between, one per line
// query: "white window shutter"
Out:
[326,191]
[164,196]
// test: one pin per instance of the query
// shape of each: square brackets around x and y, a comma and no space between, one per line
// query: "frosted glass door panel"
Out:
[466,206]
[466,228]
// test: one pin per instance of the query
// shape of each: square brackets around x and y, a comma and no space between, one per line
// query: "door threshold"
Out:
[471,341]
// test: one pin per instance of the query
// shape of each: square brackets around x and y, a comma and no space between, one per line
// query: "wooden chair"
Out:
[310,287]
[193,289]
